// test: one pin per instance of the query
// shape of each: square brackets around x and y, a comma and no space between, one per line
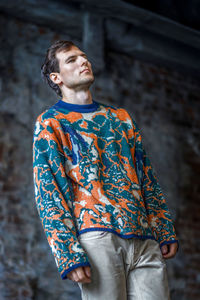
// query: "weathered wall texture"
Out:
[165,105]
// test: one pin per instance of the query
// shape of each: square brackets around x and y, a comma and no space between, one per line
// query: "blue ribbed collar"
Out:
[66,107]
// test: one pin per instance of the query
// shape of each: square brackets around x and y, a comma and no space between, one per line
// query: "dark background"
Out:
[145,58]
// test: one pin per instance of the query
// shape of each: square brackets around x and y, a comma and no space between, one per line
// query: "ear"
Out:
[55,77]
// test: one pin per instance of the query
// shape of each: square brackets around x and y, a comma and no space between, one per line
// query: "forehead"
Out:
[62,55]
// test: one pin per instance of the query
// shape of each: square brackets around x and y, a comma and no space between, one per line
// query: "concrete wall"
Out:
[165,104]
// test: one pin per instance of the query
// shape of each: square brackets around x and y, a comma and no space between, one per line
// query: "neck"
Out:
[77,97]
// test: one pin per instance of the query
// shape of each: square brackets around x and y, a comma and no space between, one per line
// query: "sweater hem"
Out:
[125,236]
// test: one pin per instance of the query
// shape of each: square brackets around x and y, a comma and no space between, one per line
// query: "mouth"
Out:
[86,70]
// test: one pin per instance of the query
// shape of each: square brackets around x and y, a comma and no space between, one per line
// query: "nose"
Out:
[83,60]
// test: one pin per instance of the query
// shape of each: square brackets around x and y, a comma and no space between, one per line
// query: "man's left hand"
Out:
[169,251]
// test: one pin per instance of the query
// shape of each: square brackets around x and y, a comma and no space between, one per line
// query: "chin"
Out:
[88,80]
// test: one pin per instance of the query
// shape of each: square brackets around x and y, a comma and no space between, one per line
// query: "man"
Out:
[101,206]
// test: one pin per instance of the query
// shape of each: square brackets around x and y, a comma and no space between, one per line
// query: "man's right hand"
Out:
[81,274]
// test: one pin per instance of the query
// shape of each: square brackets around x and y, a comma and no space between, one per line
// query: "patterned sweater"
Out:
[91,172]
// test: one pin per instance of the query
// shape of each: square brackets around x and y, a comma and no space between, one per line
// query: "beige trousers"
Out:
[123,269]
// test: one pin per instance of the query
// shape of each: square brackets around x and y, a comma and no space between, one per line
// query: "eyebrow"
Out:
[72,56]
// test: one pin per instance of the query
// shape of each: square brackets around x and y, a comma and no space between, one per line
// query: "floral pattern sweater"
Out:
[91,172]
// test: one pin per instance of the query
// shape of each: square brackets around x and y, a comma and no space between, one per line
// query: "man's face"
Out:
[72,64]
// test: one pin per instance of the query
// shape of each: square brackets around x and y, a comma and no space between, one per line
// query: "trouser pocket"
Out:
[92,235]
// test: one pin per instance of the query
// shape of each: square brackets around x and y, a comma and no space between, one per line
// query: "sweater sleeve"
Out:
[157,210]
[54,196]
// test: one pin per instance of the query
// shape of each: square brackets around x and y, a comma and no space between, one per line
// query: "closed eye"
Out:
[71,60]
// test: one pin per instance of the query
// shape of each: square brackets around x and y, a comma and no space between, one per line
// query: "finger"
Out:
[172,251]
[69,275]
[73,276]
[78,275]
[82,276]
[164,249]
[87,271]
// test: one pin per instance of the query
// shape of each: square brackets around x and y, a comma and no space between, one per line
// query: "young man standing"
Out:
[99,201]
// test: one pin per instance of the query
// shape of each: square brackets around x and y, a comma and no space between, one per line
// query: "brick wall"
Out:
[165,104]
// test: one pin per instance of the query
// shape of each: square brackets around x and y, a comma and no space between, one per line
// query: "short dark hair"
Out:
[51,63]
